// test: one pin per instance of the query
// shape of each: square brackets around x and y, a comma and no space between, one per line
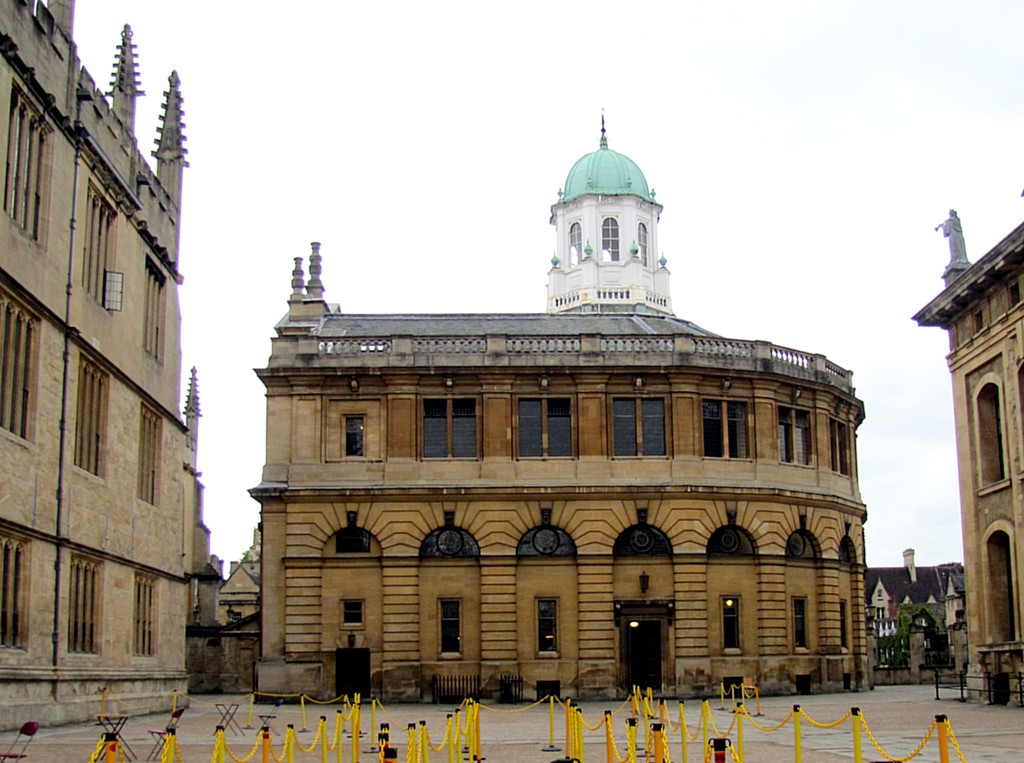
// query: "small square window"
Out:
[352,612]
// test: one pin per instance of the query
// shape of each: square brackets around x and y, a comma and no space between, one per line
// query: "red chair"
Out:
[160,734]
[21,742]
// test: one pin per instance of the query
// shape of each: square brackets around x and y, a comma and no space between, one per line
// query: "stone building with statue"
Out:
[982,312]
[101,528]
[594,497]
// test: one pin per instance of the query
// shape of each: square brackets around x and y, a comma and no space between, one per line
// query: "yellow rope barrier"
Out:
[247,758]
[614,746]
[887,756]
[316,739]
[768,729]
[96,753]
[514,709]
[952,738]
[715,725]
[831,725]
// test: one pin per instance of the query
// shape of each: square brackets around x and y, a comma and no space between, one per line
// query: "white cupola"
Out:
[606,229]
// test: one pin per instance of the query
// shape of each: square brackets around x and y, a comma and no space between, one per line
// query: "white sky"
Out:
[804,153]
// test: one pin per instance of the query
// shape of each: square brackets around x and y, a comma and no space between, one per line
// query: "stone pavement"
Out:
[898,717]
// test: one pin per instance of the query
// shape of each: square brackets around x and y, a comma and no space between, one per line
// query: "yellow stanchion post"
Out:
[103,701]
[174,701]
[579,733]
[551,726]
[857,755]
[940,720]
[682,730]
[322,733]
[110,747]
[705,715]
[568,728]
[457,738]
[289,737]
[797,753]
[218,747]
[739,730]
[634,702]
[721,692]
[356,730]
[248,718]
[423,750]
[302,708]
[373,723]
[609,743]
[659,743]
[413,753]
[476,731]
[265,734]
[452,740]
[171,742]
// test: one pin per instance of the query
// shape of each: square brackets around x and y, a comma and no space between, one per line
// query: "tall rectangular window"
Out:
[794,435]
[354,427]
[149,453]
[725,429]
[97,246]
[83,607]
[843,640]
[91,417]
[155,305]
[451,626]
[839,445]
[730,622]
[449,428]
[12,575]
[17,344]
[800,623]
[545,427]
[638,426]
[144,617]
[26,143]
[547,625]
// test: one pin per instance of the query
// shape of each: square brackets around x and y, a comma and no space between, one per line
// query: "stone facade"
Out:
[587,501]
[100,507]
[981,309]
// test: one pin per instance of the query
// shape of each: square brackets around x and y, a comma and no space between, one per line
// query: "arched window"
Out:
[610,238]
[999,586]
[731,541]
[352,540]
[847,551]
[990,435]
[546,541]
[641,240]
[450,541]
[575,244]
[642,540]
[802,545]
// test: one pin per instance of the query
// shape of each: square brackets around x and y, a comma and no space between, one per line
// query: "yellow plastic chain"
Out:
[218,745]
[766,729]
[824,725]
[247,758]
[715,726]
[515,709]
[284,747]
[316,739]
[96,753]
[887,756]
[952,738]
[447,733]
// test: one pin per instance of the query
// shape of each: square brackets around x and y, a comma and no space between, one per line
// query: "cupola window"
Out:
[641,240]
[575,244]
[610,238]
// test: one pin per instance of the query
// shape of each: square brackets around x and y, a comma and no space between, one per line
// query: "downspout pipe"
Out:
[82,95]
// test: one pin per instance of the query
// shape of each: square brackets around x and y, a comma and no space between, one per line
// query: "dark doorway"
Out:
[352,672]
[643,653]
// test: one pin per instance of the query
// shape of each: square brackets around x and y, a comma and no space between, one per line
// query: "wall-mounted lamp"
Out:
[796,393]
[353,384]
[633,624]
[638,382]
[645,581]
[351,641]
[542,382]
[449,382]
[726,384]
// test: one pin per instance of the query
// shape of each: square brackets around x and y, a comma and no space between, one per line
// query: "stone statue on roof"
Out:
[952,230]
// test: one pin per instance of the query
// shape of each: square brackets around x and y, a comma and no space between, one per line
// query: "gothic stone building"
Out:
[982,311]
[99,501]
[598,496]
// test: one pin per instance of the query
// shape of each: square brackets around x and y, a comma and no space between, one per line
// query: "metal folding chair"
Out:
[21,742]
[266,718]
[159,735]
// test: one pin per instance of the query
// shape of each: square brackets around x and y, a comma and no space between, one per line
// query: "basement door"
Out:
[643,653]
[352,672]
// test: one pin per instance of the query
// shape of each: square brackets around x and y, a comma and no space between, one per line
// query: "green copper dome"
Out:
[607,173]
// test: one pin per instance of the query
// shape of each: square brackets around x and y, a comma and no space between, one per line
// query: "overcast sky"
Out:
[804,153]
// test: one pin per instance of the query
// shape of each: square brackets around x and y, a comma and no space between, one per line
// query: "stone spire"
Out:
[298,282]
[192,413]
[170,151]
[124,84]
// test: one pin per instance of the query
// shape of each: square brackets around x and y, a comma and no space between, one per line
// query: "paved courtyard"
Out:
[898,717]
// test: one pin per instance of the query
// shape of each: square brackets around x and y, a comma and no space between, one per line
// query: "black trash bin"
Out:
[1001,689]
